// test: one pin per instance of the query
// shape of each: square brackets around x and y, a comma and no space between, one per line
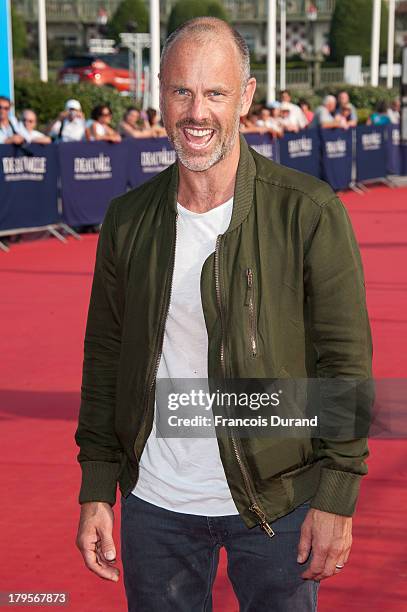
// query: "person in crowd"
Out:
[325,114]
[345,117]
[394,111]
[153,118]
[100,128]
[380,116]
[269,120]
[70,125]
[344,103]
[132,125]
[297,117]
[9,129]
[248,123]
[289,119]
[27,128]
[306,109]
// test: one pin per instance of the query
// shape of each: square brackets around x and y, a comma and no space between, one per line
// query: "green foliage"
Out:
[351,28]
[130,16]
[188,9]
[48,99]
[361,97]
[19,34]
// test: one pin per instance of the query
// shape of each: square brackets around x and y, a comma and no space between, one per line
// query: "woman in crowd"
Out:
[100,128]
[380,116]
[345,117]
[132,125]
[306,109]
[153,118]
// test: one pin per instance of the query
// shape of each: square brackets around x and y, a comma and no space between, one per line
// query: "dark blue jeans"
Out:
[170,561]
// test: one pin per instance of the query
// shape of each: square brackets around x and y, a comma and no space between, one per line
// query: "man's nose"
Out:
[199,108]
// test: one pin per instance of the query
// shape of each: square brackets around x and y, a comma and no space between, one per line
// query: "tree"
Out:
[130,16]
[188,9]
[19,34]
[351,28]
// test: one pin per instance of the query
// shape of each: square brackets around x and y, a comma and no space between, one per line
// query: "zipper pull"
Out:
[263,523]
[249,286]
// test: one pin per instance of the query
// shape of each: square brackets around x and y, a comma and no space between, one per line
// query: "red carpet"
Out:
[43,308]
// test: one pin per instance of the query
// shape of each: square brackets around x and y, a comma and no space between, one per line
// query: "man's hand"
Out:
[330,538]
[95,539]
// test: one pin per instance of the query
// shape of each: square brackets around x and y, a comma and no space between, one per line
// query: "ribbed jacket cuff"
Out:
[337,492]
[99,481]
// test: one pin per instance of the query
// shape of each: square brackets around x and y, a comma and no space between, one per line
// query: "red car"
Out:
[107,69]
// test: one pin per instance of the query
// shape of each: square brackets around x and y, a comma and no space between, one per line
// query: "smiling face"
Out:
[201,98]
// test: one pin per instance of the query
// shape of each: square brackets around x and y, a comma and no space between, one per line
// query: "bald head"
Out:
[204,29]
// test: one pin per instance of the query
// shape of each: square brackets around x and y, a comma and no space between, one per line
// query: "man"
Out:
[70,125]
[9,132]
[224,266]
[27,127]
[345,107]
[394,111]
[297,117]
[324,114]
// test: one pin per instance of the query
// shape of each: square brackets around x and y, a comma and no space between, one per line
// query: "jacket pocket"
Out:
[250,304]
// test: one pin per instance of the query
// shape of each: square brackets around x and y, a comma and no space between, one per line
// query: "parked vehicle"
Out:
[111,70]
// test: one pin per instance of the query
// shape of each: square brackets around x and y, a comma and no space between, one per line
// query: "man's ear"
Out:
[247,97]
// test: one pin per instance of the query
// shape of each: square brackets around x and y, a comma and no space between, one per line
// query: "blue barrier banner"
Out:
[147,157]
[301,151]
[336,157]
[263,144]
[92,173]
[394,151]
[371,159]
[28,186]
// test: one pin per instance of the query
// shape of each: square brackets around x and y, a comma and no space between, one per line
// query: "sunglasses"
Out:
[4,107]
[29,120]
[105,114]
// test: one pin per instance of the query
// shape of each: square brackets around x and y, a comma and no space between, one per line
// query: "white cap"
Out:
[73,104]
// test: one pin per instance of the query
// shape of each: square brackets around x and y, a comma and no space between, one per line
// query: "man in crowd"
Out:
[345,108]
[27,128]
[297,118]
[9,130]
[394,111]
[324,116]
[224,266]
[70,125]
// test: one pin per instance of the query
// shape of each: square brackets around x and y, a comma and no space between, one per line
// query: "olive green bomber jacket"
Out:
[309,319]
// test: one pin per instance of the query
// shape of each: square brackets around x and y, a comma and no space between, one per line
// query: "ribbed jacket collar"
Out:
[244,186]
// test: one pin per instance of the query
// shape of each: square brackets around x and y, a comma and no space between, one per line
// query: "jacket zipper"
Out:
[252,312]
[254,504]
[161,332]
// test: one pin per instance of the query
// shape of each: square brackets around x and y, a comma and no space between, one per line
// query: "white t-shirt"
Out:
[186,474]
[72,131]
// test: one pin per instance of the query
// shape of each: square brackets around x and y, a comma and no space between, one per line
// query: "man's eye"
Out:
[181,91]
[216,93]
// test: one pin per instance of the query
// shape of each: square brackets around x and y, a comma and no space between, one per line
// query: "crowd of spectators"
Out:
[335,112]
[276,118]
[72,126]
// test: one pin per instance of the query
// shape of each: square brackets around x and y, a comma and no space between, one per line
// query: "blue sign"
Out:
[6,51]
[301,151]
[394,150]
[147,157]
[371,159]
[336,157]
[28,186]
[264,144]
[92,173]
